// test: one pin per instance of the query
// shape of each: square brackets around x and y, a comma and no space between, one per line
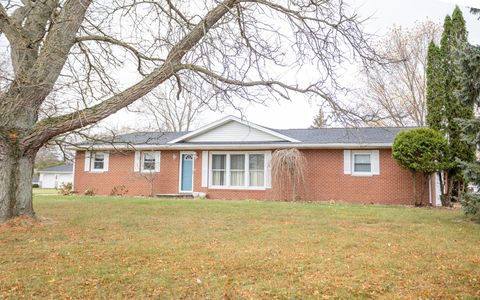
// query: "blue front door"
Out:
[186,184]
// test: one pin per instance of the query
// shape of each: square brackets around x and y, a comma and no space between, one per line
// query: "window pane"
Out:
[98,161]
[256,166]
[362,158]
[218,177]
[362,168]
[237,169]
[219,161]
[148,162]
[237,178]
[219,165]
[256,161]
[362,163]
[256,178]
[237,162]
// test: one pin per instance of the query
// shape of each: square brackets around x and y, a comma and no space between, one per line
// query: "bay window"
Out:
[241,170]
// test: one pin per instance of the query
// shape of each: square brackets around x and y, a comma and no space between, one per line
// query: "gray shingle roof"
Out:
[61,168]
[149,138]
[368,135]
[365,135]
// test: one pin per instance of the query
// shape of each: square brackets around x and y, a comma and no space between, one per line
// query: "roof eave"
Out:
[187,146]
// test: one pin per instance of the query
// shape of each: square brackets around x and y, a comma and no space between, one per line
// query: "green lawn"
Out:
[40,191]
[125,247]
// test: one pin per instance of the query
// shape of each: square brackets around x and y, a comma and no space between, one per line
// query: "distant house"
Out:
[230,159]
[36,180]
[54,177]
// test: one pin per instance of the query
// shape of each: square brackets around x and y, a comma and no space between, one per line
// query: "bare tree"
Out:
[71,63]
[172,110]
[394,94]
[150,178]
[48,156]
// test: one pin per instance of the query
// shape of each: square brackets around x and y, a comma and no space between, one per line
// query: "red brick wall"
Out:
[324,179]
[120,172]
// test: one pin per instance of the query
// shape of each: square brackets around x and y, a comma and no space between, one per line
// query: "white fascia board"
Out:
[228,119]
[258,146]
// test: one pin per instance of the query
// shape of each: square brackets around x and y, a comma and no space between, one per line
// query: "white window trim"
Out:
[105,162]
[352,160]
[227,186]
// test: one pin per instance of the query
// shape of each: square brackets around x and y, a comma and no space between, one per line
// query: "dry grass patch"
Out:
[125,247]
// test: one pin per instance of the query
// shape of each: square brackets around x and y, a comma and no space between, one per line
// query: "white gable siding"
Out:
[234,132]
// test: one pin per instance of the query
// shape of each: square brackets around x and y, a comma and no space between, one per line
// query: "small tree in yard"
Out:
[150,177]
[421,150]
[288,170]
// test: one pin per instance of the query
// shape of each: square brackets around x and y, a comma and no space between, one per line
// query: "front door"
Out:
[186,173]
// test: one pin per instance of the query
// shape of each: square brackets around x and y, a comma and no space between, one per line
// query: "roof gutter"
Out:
[234,146]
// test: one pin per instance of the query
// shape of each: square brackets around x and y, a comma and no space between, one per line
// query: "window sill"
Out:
[359,174]
[240,188]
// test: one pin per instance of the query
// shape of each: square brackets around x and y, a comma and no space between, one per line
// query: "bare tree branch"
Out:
[58,125]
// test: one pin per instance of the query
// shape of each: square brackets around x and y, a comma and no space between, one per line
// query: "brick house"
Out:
[230,159]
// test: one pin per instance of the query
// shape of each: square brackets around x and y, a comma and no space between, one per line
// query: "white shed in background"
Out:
[54,177]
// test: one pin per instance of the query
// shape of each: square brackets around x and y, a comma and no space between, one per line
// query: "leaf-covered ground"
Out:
[125,247]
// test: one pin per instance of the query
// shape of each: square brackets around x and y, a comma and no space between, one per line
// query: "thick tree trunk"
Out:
[16,172]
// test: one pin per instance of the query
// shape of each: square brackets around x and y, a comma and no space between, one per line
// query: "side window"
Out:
[362,163]
[148,162]
[99,161]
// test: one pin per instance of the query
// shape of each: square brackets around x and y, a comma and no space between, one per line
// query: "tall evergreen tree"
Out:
[444,107]
[435,88]
[469,95]
[320,120]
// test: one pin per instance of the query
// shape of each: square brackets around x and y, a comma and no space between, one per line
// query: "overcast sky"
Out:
[299,113]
